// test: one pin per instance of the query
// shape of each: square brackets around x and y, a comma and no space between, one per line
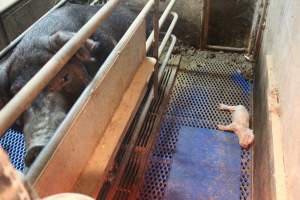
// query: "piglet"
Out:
[239,125]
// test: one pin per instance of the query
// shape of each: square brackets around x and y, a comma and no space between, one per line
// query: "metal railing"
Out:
[44,156]
[20,102]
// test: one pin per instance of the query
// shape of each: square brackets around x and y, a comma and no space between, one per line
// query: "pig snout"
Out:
[246,138]
[41,121]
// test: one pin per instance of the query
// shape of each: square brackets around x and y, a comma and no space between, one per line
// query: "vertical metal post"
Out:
[155,45]
[205,21]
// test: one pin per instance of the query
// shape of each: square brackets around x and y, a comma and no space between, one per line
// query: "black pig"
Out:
[37,47]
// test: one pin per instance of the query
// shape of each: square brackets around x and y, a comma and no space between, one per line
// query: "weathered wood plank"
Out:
[93,176]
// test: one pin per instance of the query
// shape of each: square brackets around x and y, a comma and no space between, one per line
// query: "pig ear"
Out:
[84,54]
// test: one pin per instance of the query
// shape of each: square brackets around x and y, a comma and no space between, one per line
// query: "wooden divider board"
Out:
[103,96]
[277,155]
[94,174]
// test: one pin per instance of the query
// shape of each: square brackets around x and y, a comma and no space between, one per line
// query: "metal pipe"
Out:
[205,22]
[45,155]
[168,33]
[19,103]
[144,113]
[94,2]
[156,45]
[7,5]
[17,40]
[167,57]
[254,27]
[257,42]
[161,23]
[223,48]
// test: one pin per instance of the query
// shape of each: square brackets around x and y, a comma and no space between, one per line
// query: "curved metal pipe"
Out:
[162,20]
[167,57]
[168,33]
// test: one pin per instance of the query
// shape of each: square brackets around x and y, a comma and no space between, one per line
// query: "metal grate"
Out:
[200,86]
[13,143]
[156,179]
[126,185]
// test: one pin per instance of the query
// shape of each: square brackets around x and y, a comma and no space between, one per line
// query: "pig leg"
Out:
[226,107]
[84,54]
[230,127]
[41,121]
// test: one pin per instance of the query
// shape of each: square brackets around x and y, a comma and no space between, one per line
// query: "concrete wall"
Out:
[281,40]
[262,151]
[190,16]
[229,21]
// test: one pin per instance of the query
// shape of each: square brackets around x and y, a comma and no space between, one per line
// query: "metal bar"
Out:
[257,42]
[94,2]
[161,23]
[156,45]
[19,103]
[138,128]
[168,33]
[254,28]
[44,156]
[167,57]
[17,40]
[130,147]
[155,131]
[8,5]
[223,48]
[205,21]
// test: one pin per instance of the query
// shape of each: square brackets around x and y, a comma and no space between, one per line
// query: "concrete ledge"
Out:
[269,175]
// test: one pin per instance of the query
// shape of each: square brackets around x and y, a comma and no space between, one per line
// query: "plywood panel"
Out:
[93,176]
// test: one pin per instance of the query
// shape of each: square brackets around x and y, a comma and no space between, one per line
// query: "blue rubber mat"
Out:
[206,165]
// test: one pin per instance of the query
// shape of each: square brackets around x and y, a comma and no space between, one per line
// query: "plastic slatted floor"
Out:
[13,144]
[199,88]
